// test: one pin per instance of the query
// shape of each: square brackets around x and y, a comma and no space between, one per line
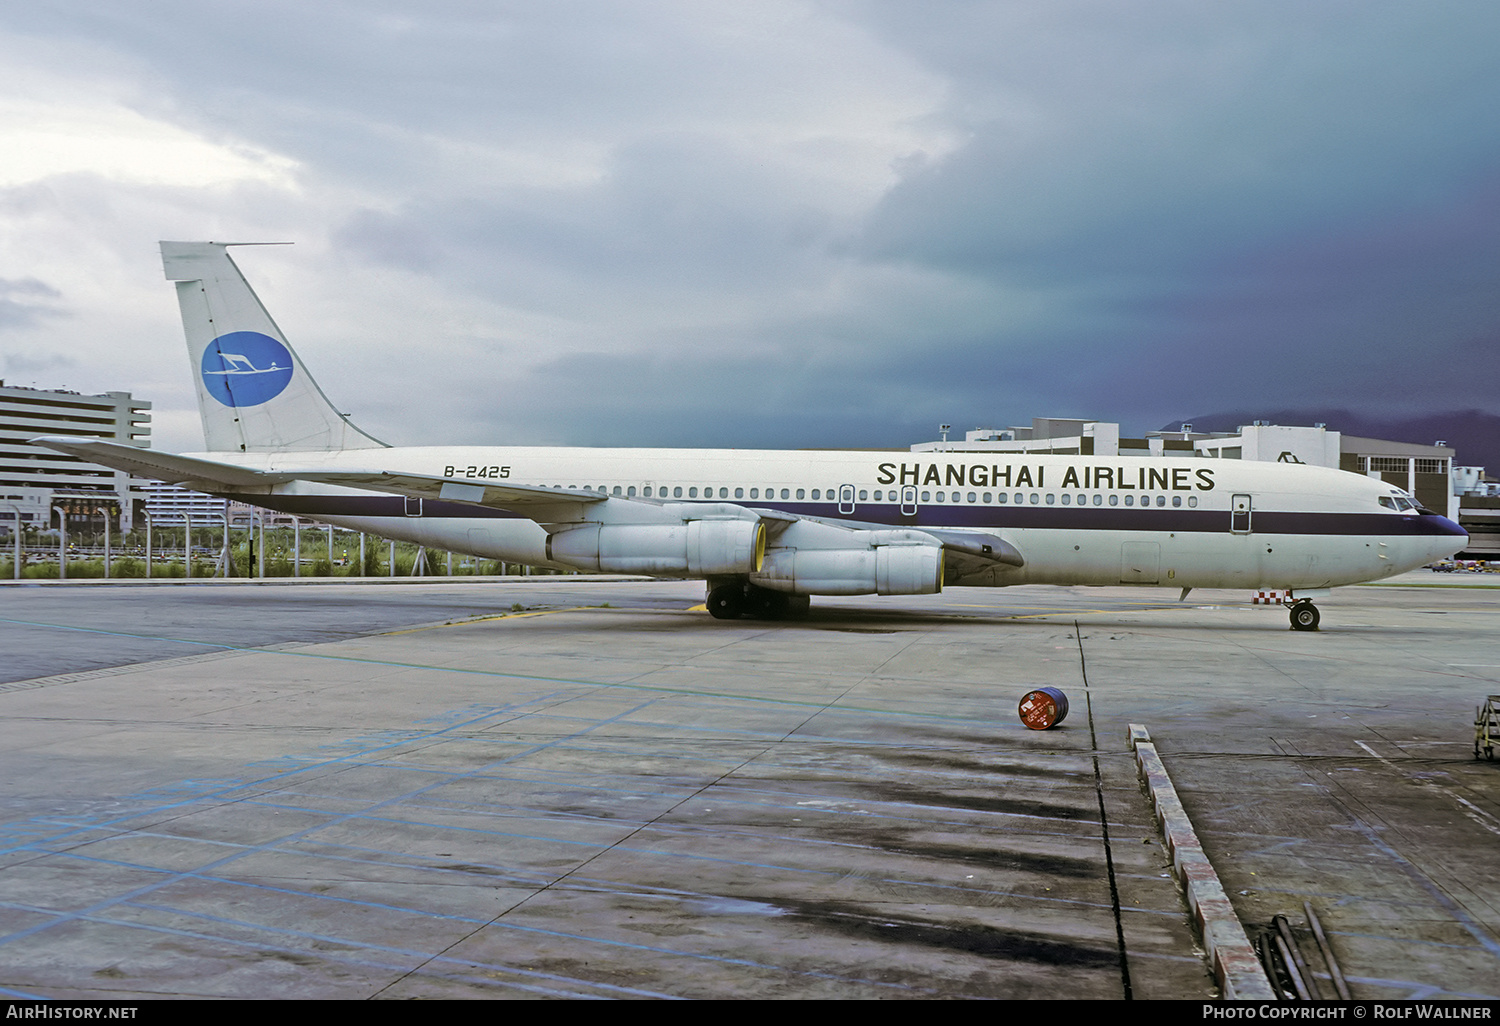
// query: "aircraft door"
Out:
[909,501]
[1239,515]
[846,499]
[1140,563]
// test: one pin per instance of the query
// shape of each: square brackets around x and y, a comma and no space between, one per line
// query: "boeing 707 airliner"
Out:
[765,529]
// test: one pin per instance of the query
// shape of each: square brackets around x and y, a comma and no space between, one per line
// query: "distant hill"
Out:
[1475,435]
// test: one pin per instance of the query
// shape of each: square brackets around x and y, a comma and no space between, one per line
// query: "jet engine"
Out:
[906,568]
[694,548]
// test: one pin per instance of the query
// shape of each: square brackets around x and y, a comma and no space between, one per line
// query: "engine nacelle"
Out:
[905,569]
[697,548]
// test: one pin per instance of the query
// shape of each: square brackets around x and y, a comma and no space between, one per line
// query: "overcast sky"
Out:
[768,223]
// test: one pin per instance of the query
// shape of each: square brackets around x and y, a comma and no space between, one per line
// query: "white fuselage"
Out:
[1183,522]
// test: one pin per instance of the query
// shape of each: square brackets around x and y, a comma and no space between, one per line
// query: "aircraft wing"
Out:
[965,552]
[544,505]
[212,476]
[205,475]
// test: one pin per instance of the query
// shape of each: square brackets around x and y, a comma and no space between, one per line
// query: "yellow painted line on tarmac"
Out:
[1128,608]
[496,616]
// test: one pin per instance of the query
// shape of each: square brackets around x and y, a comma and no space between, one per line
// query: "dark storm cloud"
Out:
[1307,211]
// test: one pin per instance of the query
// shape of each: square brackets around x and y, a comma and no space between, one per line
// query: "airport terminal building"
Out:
[1428,472]
[34,481]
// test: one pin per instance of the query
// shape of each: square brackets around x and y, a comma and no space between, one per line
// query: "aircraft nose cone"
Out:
[1445,537]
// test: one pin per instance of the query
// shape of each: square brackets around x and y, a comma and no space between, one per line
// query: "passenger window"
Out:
[692,493]
[987,497]
[1066,498]
[1049,498]
[739,493]
[927,497]
[955,496]
[646,491]
[677,492]
[1130,500]
[941,496]
[1114,500]
[630,492]
[755,493]
[1098,500]
[1035,498]
[1020,498]
[801,493]
[1001,498]
[617,489]
[1192,500]
[786,493]
[864,495]
[1176,500]
[973,497]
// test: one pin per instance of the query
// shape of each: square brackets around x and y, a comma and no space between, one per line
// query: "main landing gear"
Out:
[741,598]
[1304,615]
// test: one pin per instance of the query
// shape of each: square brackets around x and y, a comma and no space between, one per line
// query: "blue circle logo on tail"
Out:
[246,368]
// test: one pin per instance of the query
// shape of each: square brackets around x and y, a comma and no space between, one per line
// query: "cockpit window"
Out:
[1397,502]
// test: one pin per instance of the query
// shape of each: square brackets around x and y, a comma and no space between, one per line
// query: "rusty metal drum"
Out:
[1043,708]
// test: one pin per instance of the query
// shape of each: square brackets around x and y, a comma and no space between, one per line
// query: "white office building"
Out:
[34,481]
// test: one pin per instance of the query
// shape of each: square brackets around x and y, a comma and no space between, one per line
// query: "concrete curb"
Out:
[1230,953]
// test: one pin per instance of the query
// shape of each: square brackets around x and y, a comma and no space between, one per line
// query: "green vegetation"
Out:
[128,555]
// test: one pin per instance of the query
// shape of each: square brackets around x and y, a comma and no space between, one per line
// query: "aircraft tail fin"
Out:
[254,394]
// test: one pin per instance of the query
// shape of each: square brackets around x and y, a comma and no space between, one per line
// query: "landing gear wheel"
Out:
[1304,616]
[764,604]
[727,602]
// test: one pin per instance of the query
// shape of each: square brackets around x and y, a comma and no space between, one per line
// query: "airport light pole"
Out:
[146,516]
[62,543]
[105,514]
[16,510]
[187,545]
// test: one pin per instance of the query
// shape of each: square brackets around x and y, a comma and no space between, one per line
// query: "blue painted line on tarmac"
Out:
[655,688]
[264,782]
[131,895]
